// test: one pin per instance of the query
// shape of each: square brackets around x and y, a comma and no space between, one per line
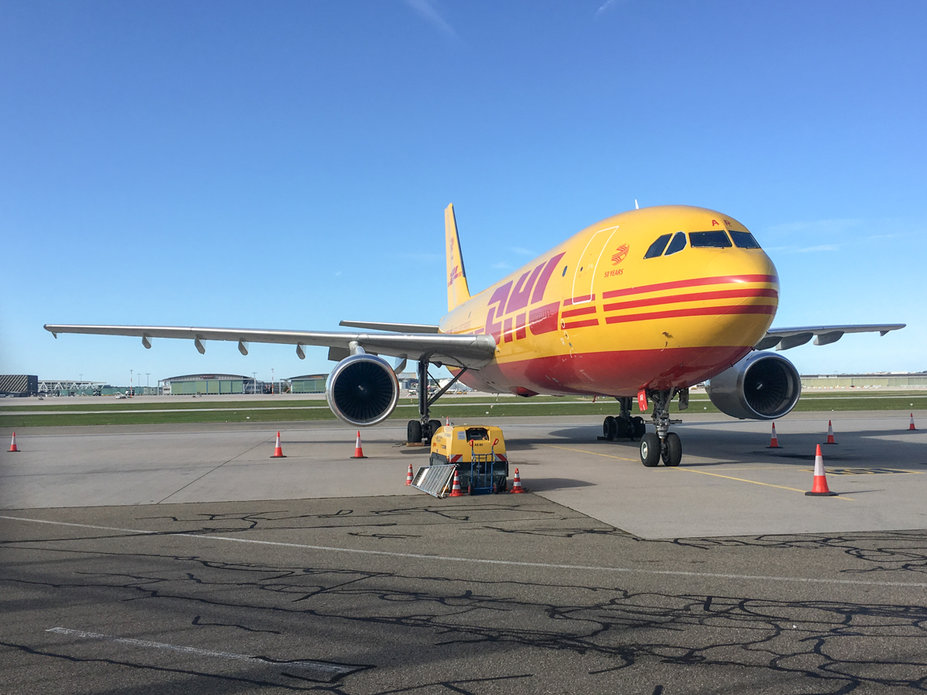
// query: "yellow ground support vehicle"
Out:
[479,453]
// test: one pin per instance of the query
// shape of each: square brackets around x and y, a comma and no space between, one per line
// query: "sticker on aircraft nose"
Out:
[620,254]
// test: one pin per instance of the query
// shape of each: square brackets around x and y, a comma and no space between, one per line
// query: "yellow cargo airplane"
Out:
[640,306]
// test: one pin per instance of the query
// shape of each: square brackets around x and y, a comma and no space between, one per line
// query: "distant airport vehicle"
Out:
[639,307]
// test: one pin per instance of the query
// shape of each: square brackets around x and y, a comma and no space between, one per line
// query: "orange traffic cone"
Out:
[13,446]
[409,475]
[830,433]
[911,427]
[819,488]
[358,449]
[278,452]
[455,486]
[516,484]
[774,440]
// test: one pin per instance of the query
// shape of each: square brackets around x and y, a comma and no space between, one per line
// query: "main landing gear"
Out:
[654,446]
[624,426]
[422,430]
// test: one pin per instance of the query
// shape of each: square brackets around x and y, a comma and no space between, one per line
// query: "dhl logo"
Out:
[514,307]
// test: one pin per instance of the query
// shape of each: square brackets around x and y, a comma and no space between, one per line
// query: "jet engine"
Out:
[362,389]
[762,386]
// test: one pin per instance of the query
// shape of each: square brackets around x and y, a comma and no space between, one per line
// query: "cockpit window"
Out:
[716,239]
[677,244]
[744,240]
[656,248]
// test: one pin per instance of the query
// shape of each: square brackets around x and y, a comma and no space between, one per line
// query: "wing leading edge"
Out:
[785,338]
[473,351]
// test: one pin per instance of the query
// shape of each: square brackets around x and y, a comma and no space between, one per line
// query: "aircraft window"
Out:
[716,239]
[677,244]
[744,240]
[656,248]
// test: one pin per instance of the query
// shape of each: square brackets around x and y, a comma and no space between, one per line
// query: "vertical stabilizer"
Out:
[457,290]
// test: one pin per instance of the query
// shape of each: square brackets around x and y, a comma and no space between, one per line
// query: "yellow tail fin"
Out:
[457,290]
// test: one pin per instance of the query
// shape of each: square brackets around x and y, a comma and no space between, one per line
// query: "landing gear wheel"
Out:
[637,427]
[430,429]
[650,449]
[610,428]
[672,449]
[414,432]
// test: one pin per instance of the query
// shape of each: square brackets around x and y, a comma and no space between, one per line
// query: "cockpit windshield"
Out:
[744,240]
[714,239]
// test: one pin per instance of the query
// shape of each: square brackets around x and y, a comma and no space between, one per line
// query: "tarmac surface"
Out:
[183,558]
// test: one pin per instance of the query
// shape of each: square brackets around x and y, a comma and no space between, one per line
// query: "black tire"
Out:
[650,449]
[638,428]
[610,428]
[414,432]
[672,449]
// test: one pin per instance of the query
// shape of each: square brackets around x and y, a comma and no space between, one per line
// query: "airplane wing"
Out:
[785,338]
[471,350]
[392,327]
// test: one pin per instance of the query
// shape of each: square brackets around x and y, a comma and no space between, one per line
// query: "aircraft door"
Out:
[585,272]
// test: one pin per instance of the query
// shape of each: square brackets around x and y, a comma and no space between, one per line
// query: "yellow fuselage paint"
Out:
[593,315]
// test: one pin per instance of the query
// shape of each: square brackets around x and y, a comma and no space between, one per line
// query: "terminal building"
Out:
[205,384]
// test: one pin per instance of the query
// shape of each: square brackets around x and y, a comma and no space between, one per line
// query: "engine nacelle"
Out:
[762,386]
[362,389]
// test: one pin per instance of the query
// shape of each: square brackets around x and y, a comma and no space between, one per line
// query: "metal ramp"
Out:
[435,480]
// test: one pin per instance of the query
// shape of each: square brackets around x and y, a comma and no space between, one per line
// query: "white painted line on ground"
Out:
[326,668]
[479,561]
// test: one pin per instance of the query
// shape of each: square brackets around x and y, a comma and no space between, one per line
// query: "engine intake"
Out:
[362,389]
[762,386]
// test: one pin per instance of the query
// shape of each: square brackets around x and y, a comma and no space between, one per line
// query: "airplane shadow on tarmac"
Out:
[723,445]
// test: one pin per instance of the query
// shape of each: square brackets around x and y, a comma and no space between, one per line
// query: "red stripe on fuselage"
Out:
[699,311]
[613,373]
[580,324]
[692,297]
[582,311]
[694,282]
[579,300]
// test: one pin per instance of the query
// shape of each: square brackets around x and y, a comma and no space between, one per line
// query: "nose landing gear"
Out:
[663,444]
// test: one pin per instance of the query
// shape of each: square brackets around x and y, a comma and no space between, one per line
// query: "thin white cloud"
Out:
[820,248]
[605,7]
[521,251]
[426,9]
[827,226]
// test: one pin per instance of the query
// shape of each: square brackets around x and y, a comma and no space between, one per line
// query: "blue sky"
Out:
[286,164]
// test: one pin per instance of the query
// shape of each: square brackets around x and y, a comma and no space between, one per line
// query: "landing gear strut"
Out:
[663,444]
[422,430]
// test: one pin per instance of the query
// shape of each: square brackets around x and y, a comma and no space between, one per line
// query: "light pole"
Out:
[130,382]
[271,381]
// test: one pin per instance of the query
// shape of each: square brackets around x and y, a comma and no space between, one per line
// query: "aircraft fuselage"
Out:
[656,298]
